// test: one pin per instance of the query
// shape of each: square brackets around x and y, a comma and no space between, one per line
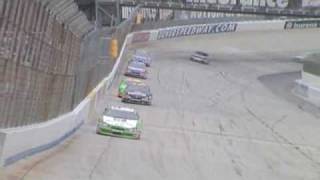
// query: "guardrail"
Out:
[18,143]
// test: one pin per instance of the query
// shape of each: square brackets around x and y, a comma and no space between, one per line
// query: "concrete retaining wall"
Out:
[215,28]
[29,140]
[311,79]
[260,26]
[18,143]
[307,92]
[308,88]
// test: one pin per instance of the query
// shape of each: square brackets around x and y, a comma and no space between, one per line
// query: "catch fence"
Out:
[40,44]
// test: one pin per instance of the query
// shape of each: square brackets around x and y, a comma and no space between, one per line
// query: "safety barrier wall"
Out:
[311,79]
[21,142]
[308,87]
[307,90]
[42,136]
[224,27]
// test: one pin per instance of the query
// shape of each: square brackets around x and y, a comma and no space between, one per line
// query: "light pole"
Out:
[118,12]
[96,11]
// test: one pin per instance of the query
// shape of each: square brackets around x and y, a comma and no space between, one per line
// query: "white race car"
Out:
[121,122]
[142,56]
[200,57]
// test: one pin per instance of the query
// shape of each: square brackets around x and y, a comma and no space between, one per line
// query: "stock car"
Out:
[142,56]
[138,94]
[200,57]
[124,83]
[136,69]
[120,122]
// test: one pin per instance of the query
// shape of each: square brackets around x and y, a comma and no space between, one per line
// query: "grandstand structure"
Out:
[110,12]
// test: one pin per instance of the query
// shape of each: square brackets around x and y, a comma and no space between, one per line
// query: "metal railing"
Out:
[94,63]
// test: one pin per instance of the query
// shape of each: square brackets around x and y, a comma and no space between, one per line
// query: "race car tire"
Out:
[138,136]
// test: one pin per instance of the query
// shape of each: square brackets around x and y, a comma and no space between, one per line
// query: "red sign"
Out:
[140,37]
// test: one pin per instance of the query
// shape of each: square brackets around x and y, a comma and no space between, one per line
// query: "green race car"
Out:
[120,122]
[124,84]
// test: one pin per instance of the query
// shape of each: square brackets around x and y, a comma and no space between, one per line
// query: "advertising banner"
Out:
[140,37]
[253,3]
[196,29]
[182,14]
[302,24]
[311,3]
[148,13]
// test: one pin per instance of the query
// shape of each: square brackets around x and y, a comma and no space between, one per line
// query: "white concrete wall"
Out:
[308,88]
[260,26]
[20,142]
[311,79]
[245,26]
[307,92]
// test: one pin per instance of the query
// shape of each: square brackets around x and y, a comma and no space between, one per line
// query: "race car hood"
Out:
[125,123]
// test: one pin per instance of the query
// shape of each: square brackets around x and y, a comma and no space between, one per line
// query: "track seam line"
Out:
[99,159]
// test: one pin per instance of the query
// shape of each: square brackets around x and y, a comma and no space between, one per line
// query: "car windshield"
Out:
[121,114]
[139,57]
[136,64]
[141,53]
[140,88]
[202,53]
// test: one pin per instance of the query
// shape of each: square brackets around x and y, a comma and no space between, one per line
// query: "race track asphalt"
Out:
[231,120]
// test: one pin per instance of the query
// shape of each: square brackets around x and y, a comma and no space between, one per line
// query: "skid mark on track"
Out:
[165,86]
[101,156]
[152,128]
[184,87]
[157,161]
[181,110]
[279,121]
[236,161]
[282,138]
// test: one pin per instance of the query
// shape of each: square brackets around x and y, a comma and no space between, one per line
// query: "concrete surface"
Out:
[234,119]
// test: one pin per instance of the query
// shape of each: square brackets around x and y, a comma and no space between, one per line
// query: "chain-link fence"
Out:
[94,64]
[125,27]
[39,49]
